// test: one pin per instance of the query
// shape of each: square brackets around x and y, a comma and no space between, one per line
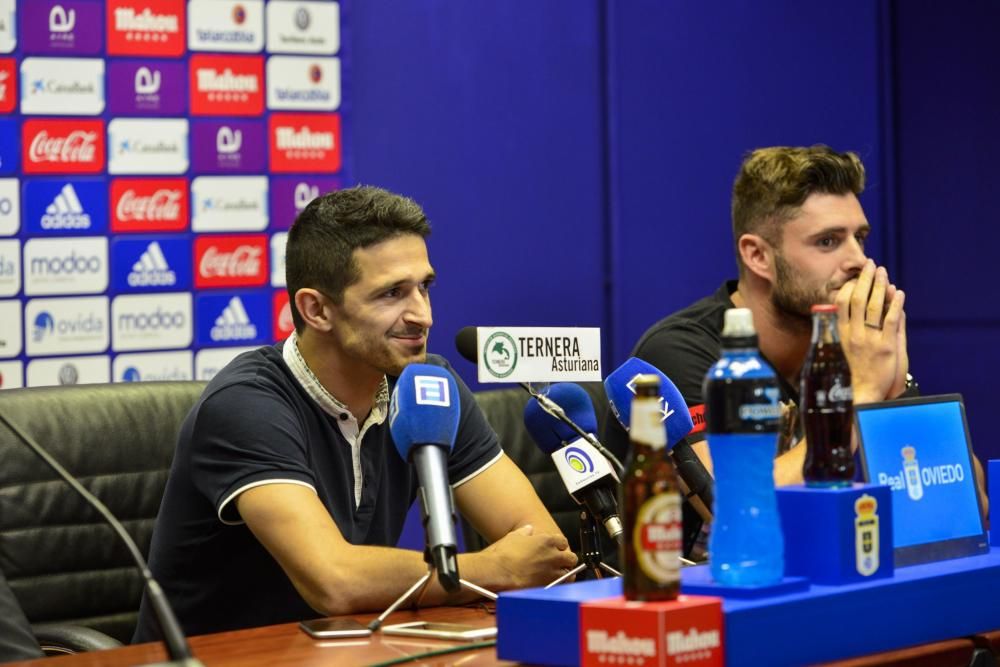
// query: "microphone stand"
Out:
[590,552]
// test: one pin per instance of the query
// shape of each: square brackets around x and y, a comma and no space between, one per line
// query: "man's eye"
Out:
[426,285]
[828,242]
[392,294]
[861,239]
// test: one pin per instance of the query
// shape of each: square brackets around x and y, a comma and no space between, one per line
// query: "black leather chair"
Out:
[64,564]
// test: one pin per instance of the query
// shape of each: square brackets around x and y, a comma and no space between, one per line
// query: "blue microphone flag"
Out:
[424,408]
[548,432]
[620,388]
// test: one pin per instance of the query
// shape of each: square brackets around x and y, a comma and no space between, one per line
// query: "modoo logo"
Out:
[64,266]
[151,321]
[67,264]
[155,319]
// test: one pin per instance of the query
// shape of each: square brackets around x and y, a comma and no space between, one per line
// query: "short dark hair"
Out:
[774,182]
[321,243]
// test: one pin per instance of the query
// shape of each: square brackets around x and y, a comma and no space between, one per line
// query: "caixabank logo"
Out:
[54,85]
[147,87]
[62,27]
[230,261]
[149,205]
[151,321]
[66,326]
[66,266]
[233,318]
[150,264]
[8,85]
[148,146]
[229,203]
[226,25]
[305,143]
[72,146]
[228,147]
[291,194]
[227,85]
[146,27]
[303,27]
[60,207]
[303,83]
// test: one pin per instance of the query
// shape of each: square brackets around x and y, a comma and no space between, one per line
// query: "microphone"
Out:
[466,343]
[696,482]
[423,419]
[588,476]
[177,646]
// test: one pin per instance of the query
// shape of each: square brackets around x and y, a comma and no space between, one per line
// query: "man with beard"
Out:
[799,234]
[287,494]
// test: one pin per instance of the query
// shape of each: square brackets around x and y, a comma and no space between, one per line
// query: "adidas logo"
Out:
[65,211]
[152,269]
[233,323]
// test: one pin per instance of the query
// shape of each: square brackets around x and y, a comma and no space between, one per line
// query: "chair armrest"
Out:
[62,638]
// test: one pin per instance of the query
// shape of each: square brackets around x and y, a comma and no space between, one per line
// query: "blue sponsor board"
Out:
[61,207]
[150,264]
[233,318]
[10,146]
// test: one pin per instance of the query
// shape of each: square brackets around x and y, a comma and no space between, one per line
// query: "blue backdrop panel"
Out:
[695,86]
[490,116]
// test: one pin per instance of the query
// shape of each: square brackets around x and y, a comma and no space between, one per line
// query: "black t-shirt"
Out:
[255,423]
[684,346]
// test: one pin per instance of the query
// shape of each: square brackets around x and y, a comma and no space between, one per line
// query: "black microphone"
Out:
[587,475]
[178,649]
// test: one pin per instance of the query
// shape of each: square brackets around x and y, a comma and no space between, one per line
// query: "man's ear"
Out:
[315,308]
[757,256]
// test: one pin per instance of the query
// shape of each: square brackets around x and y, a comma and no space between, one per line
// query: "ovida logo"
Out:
[152,269]
[233,323]
[131,374]
[578,460]
[65,211]
[61,21]
[45,325]
[304,193]
[500,354]
[147,81]
[228,141]
[431,390]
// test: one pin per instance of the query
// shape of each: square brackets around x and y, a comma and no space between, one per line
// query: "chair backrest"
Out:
[63,562]
[504,409]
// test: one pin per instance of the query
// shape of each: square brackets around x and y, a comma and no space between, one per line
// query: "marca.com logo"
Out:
[230,261]
[147,87]
[67,325]
[146,27]
[304,143]
[68,371]
[232,318]
[916,479]
[61,207]
[309,84]
[289,195]
[63,146]
[62,26]
[10,206]
[303,27]
[10,329]
[153,321]
[227,85]
[8,31]
[229,203]
[224,25]
[153,367]
[8,85]
[145,265]
[149,205]
[66,266]
[10,267]
[53,85]
[226,147]
[148,146]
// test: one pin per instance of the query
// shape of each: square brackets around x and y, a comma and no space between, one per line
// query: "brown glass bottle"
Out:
[827,405]
[651,502]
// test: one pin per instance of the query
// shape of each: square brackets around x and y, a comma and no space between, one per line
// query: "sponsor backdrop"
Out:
[153,154]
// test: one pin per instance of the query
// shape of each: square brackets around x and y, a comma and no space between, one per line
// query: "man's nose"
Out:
[418,310]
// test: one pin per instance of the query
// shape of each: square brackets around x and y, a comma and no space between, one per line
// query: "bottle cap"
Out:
[824,308]
[738,323]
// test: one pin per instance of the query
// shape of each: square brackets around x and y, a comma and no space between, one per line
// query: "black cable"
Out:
[433,654]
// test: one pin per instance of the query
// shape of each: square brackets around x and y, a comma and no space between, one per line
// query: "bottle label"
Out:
[838,393]
[658,536]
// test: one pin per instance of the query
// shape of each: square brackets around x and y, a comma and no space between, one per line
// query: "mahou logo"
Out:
[304,143]
[227,85]
[63,146]
[8,85]
[146,27]
[230,261]
[149,205]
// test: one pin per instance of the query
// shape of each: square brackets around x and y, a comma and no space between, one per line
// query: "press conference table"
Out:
[280,645]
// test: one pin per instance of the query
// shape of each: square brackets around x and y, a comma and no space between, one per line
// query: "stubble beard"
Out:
[791,299]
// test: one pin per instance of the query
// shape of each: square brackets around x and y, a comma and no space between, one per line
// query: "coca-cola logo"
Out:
[241,261]
[75,146]
[162,204]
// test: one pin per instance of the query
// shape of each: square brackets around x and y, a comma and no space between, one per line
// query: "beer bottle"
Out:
[827,404]
[652,502]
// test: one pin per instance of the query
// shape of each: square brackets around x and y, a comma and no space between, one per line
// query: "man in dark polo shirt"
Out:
[287,494]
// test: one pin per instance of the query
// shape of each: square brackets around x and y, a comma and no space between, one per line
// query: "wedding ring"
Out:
[872,326]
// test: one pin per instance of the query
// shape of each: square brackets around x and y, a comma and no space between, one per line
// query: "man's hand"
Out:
[525,559]
[875,347]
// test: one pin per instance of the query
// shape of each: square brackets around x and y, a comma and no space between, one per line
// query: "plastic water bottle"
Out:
[742,411]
